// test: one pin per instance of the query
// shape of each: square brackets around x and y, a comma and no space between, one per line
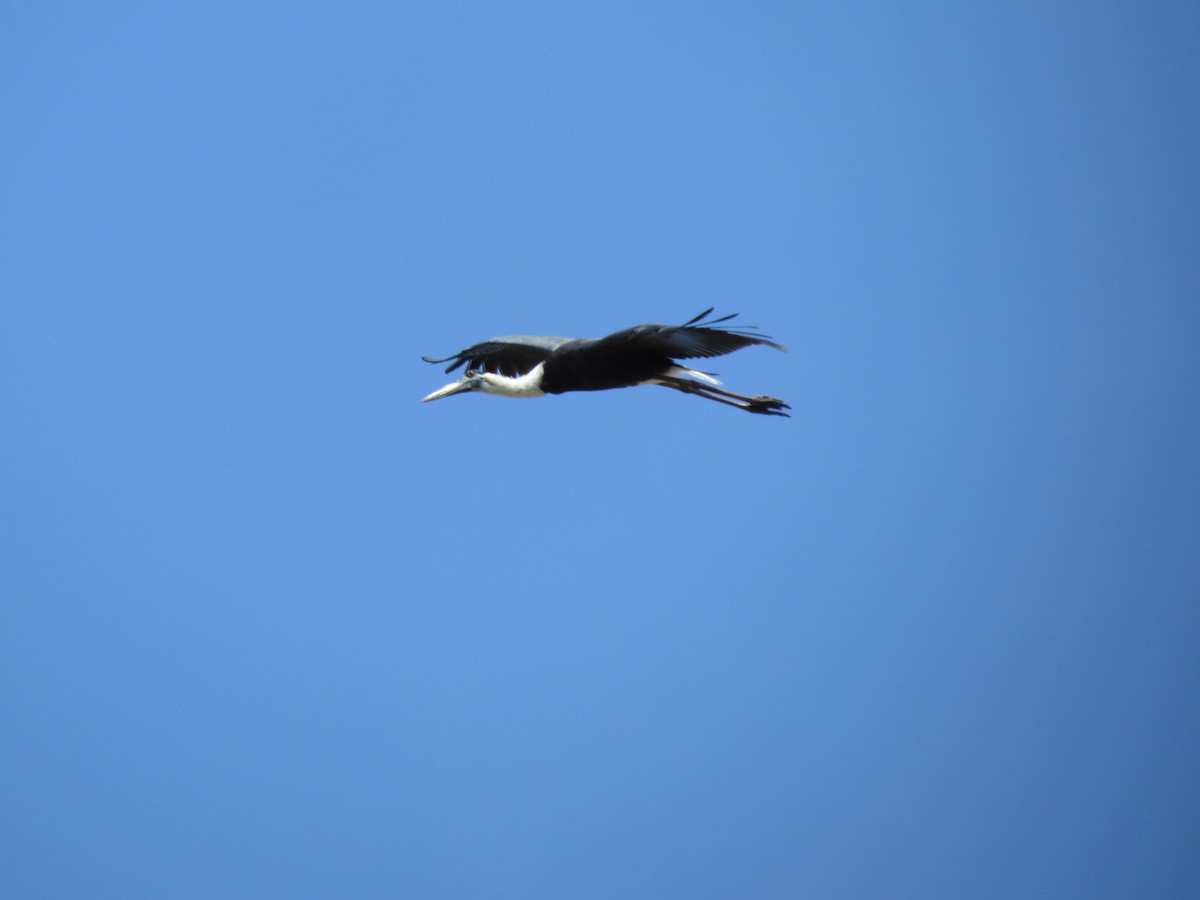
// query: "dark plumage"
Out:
[644,354]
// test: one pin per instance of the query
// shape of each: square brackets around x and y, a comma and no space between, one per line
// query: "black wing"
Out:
[694,338]
[640,354]
[512,356]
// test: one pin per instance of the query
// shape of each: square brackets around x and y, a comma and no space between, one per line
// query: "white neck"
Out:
[527,385]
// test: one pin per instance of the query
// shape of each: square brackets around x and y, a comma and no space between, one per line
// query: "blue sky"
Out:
[273,628]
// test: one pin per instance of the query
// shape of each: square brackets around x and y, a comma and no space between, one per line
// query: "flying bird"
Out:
[527,366]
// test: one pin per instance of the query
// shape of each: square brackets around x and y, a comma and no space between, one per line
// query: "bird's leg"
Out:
[763,404]
[695,387]
[762,400]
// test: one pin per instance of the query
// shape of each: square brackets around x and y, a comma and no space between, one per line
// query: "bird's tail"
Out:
[710,377]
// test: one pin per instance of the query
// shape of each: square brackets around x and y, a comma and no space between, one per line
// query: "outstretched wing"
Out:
[641,354]
[693,339]
[512,355]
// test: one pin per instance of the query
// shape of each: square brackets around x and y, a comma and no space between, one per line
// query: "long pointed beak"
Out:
[456,387]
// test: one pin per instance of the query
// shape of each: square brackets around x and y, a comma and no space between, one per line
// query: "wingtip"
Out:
[767,342]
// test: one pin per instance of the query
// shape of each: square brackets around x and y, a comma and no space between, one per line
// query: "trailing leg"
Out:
[763,404]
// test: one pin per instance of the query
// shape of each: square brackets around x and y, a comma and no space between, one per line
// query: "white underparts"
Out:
[527,385]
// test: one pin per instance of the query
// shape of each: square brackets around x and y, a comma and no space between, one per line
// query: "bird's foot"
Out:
[767,405]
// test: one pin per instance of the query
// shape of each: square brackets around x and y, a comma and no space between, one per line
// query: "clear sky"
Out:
[273,628]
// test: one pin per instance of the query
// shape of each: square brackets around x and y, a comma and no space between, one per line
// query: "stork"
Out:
[528,366]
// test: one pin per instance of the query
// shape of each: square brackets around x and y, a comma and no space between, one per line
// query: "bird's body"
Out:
[528,366]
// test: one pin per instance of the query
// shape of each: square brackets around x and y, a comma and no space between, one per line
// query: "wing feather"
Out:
[512,355]
[691,340]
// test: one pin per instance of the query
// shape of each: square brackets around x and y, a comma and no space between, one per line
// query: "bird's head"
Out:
[470,381]
[527,385]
